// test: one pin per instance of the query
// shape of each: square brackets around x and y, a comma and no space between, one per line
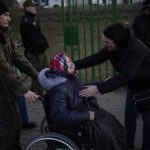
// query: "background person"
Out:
[33,40]
[11,85]
[130,57]
[25,120]
[67,110]
[141,24]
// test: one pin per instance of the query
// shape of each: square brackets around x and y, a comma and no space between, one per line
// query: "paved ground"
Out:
[113,102]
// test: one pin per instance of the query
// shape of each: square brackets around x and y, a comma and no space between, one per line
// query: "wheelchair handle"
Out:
[41,98]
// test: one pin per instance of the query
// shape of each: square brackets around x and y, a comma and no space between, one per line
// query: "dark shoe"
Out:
[30,125]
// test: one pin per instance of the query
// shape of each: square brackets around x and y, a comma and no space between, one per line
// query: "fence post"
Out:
[83,23]
[114,18]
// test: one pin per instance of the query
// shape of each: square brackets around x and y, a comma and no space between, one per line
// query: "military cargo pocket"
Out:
[6,99]
[3,131]
[9,116]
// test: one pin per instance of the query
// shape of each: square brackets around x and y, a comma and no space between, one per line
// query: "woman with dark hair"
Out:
[131,58]
[68,110]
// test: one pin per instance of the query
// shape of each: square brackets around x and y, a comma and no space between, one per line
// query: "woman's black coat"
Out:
[131,60]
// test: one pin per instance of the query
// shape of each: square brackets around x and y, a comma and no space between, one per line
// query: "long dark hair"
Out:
[119,33]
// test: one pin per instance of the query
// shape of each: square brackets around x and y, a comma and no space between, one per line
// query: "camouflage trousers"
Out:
[39,62]
[10,127]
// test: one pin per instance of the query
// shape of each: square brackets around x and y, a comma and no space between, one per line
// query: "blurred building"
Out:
[57,3]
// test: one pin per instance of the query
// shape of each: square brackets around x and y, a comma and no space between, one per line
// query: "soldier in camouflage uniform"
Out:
[10,85]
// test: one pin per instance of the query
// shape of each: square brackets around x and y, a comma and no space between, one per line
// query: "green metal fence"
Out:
[82,26]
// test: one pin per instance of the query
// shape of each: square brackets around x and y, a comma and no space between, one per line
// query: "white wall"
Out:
[20,3]
[95,2]
[80,2]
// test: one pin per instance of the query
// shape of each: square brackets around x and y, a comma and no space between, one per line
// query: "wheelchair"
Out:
[53,137]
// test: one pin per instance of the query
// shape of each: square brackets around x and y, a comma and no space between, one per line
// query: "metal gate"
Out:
[83,23]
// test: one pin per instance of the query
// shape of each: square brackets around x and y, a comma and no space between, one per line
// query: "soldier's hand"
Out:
[31,96]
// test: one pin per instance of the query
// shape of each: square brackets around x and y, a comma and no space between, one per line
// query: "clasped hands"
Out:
[89,90]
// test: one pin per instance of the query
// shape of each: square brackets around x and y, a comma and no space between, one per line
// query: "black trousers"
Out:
[10,127]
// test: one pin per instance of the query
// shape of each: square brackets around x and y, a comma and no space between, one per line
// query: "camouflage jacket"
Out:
[10,82]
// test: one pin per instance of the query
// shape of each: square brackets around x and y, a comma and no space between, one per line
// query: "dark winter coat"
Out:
[63,99]
[10,85]
[141,26]
[66,108]
[131,60]
[32,37]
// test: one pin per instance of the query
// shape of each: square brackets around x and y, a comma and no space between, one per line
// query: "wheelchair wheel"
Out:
[51,141]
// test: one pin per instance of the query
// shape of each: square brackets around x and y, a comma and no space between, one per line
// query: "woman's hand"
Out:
[31,96]
[89,90]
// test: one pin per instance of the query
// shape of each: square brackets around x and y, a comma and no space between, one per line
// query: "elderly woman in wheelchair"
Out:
[72,114]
